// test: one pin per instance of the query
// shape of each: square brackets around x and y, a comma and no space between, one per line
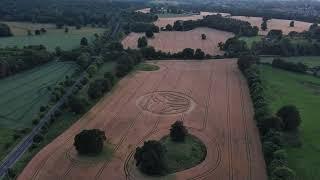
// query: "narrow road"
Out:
[27,141]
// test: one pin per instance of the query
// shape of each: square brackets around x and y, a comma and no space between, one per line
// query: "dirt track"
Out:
[176,41]
[212,99]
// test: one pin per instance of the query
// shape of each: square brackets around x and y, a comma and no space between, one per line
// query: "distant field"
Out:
[251,40]
[303,91]
[311,61]
[174,41]
[23,94]
[275,24]
[53,38]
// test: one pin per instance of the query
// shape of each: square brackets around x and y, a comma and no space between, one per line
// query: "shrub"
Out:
[178,131]
[290,117]
[89,142]
[150,158]
[283,173]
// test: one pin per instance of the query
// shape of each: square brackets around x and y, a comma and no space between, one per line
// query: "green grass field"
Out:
[23,94]
[181,156]
[250,40]
[53,38]
[282,88]
[146,67]
[311,61]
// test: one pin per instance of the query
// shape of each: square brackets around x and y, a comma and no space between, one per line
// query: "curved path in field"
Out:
[212,99]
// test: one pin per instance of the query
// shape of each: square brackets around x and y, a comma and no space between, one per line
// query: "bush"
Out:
[283,173]
[150,158]
[290,117]
[89,142]
[149,34]
[178,131]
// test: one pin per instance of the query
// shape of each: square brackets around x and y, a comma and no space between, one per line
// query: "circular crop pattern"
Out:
[165,103]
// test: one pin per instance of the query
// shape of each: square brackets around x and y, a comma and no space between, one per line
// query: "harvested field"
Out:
[281,24]
[175,41]
[212,99]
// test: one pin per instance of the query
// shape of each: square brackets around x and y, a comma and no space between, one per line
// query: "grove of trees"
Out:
[150,158]
[89,142]
[238,27]
[14,60]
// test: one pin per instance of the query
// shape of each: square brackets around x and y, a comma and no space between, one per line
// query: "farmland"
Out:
[51,39]
[213,101]
[283,88]
[23,94]
[177,41]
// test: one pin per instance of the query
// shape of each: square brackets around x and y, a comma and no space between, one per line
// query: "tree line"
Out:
[272,127]
[14,60]
[241,28]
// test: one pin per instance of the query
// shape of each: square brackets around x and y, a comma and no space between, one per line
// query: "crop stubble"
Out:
[222,118]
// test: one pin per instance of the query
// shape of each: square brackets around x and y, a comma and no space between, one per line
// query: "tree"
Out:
[98,87]
[110,76]
[66,30]
[246,61]
[92,69]
[5,30]
[150,158]
[292,24]
[149,34]
[77,105]
[142,42]
[290,117]
[264,25]
[178,132]
[272,122]
[169,27]
[188,53]
[37,32]
[43,30]
[283,173]
[199,54]
[84,42]
[83,60]
[89,142]
[203,37]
